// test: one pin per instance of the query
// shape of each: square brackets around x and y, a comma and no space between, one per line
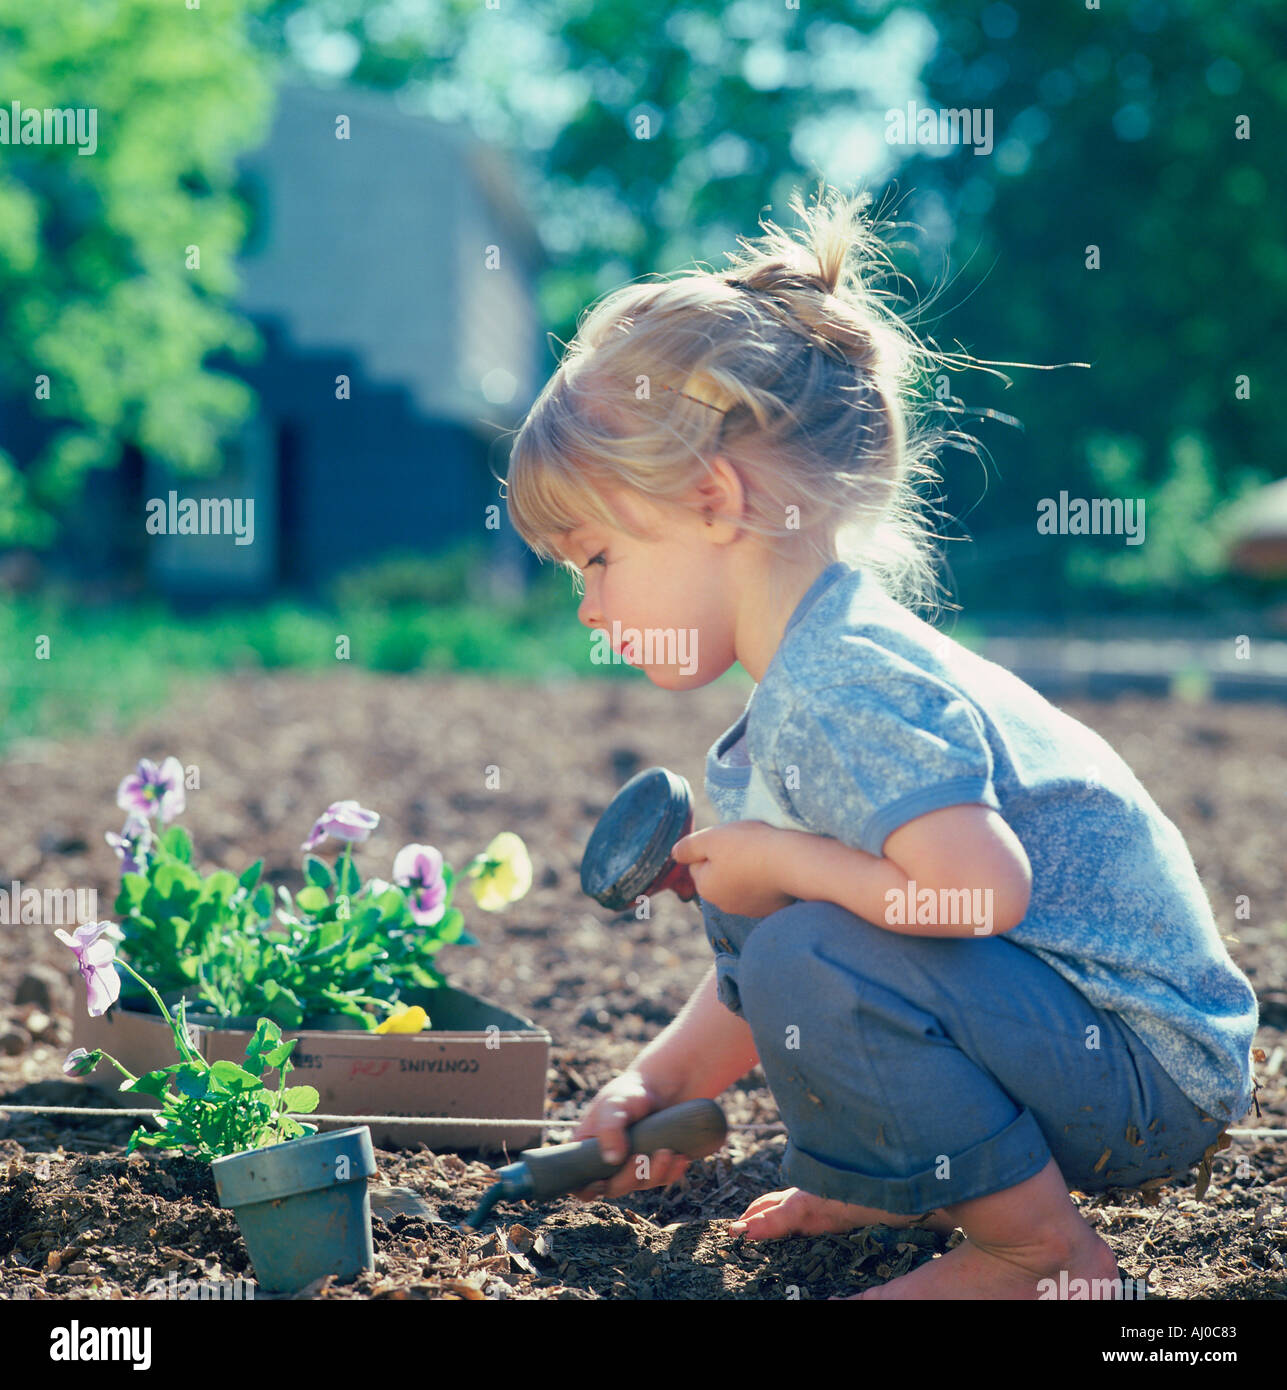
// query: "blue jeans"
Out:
[915,1072]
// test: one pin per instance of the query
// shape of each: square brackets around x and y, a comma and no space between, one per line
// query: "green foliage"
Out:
[1185,537]
[340,950]
[215,1109]
[1120,136]
[401,582]
[174,920]
[338,947]
[138,657]
[96,291]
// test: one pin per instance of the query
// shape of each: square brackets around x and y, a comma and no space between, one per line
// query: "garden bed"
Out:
[601,985]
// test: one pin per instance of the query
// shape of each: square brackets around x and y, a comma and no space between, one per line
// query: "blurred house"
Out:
[1258,532]
[366,272]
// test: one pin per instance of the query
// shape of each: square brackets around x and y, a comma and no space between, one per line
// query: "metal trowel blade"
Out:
[402,1201]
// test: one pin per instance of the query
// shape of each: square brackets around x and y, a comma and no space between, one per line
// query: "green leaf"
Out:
[133,889]
[312,899]
[317,872]
[451,926]
[279,1054]
[154,1083]
[262,901]
[327,935]
[220,885]
[178,842]
[191,1081]
[361,958]
[466,939]
[319,958]
[303,1100]
[266,1037]
[229,1076]
[177,882]
[393,905]
[250,877]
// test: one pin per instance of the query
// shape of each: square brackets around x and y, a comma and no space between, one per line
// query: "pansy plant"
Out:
[337,948]
[209,1109]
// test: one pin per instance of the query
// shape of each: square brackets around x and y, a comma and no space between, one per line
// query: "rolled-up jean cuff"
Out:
[1017,1152]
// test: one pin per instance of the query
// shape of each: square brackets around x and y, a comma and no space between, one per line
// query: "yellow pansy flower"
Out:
[408,1020]
[503,873]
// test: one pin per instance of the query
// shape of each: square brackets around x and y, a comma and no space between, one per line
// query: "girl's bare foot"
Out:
[1015,1238]
[974,1271]
[796,1213]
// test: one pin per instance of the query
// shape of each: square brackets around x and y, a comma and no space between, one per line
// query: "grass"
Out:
[72,668]
[107,666]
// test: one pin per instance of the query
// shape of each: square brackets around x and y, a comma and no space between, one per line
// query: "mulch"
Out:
[78,1219]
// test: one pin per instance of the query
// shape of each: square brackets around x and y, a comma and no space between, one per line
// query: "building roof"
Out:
[378,245]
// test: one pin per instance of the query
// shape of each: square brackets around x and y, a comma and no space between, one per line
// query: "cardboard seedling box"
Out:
[476,1060]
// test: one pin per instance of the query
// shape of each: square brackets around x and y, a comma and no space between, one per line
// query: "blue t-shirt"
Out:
[867,717]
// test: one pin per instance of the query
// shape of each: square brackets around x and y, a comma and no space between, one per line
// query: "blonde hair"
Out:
[791,364]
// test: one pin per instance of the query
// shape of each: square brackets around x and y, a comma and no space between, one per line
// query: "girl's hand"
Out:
[625,1099]
[737,866]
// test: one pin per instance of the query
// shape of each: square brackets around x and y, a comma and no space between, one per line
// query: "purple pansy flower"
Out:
[96,957]
[343,820]
[420,867]
[153,789]
[81,1063]
[133,845]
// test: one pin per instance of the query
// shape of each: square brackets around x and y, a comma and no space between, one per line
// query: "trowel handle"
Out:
[694,1127]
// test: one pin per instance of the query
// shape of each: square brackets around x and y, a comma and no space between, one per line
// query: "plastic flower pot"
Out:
[303,1207]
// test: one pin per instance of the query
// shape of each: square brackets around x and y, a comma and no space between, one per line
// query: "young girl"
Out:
[971,954]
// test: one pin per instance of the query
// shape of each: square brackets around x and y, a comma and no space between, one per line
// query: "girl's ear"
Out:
[721,494]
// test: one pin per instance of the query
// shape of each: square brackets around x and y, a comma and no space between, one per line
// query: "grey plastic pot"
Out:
[303,1207]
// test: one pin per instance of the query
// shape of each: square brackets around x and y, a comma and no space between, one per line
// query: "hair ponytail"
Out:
[791,363]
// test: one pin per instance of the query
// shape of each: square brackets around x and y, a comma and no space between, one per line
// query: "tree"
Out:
[116,253]
[652,134]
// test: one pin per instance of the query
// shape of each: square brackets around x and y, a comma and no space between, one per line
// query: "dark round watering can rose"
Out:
[628,854]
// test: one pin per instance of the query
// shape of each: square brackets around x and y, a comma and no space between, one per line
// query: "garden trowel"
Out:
[388,1202]
[628,855]
[694,1127]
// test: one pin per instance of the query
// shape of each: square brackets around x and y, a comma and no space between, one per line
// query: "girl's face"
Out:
[664,604]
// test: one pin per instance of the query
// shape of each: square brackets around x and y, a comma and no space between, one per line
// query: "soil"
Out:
[79,1219]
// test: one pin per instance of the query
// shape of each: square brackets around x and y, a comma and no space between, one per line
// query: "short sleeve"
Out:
[857,760]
